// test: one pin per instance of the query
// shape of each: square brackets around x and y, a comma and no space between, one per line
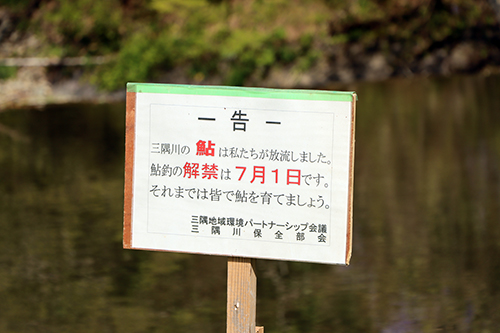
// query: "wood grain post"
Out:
[129,169]
[241,295]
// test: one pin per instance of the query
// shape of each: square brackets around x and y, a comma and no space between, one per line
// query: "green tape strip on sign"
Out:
[300,94]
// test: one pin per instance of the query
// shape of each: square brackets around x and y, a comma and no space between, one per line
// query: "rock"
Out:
[465,56]
[378,68]
[29,87]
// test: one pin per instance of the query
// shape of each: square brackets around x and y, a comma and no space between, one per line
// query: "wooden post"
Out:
[241,295]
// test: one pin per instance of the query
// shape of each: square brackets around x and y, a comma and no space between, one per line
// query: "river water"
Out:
[426,243]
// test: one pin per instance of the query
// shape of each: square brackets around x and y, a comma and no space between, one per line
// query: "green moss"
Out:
[7,72]
[307,61]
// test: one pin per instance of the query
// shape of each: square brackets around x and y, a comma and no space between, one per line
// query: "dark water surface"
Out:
[426,246]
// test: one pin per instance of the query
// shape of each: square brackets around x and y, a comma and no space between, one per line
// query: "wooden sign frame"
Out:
[135,89]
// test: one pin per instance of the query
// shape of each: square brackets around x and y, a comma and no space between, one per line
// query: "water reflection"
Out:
[426,243]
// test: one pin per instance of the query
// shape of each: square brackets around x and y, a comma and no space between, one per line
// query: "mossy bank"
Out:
[299,43]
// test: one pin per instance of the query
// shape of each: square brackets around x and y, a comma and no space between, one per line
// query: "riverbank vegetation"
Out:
[299,43]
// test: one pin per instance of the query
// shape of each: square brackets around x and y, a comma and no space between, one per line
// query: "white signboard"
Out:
[245,172]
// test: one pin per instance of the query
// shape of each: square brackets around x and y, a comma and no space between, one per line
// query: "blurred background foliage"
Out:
[426,253]
[238,40]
